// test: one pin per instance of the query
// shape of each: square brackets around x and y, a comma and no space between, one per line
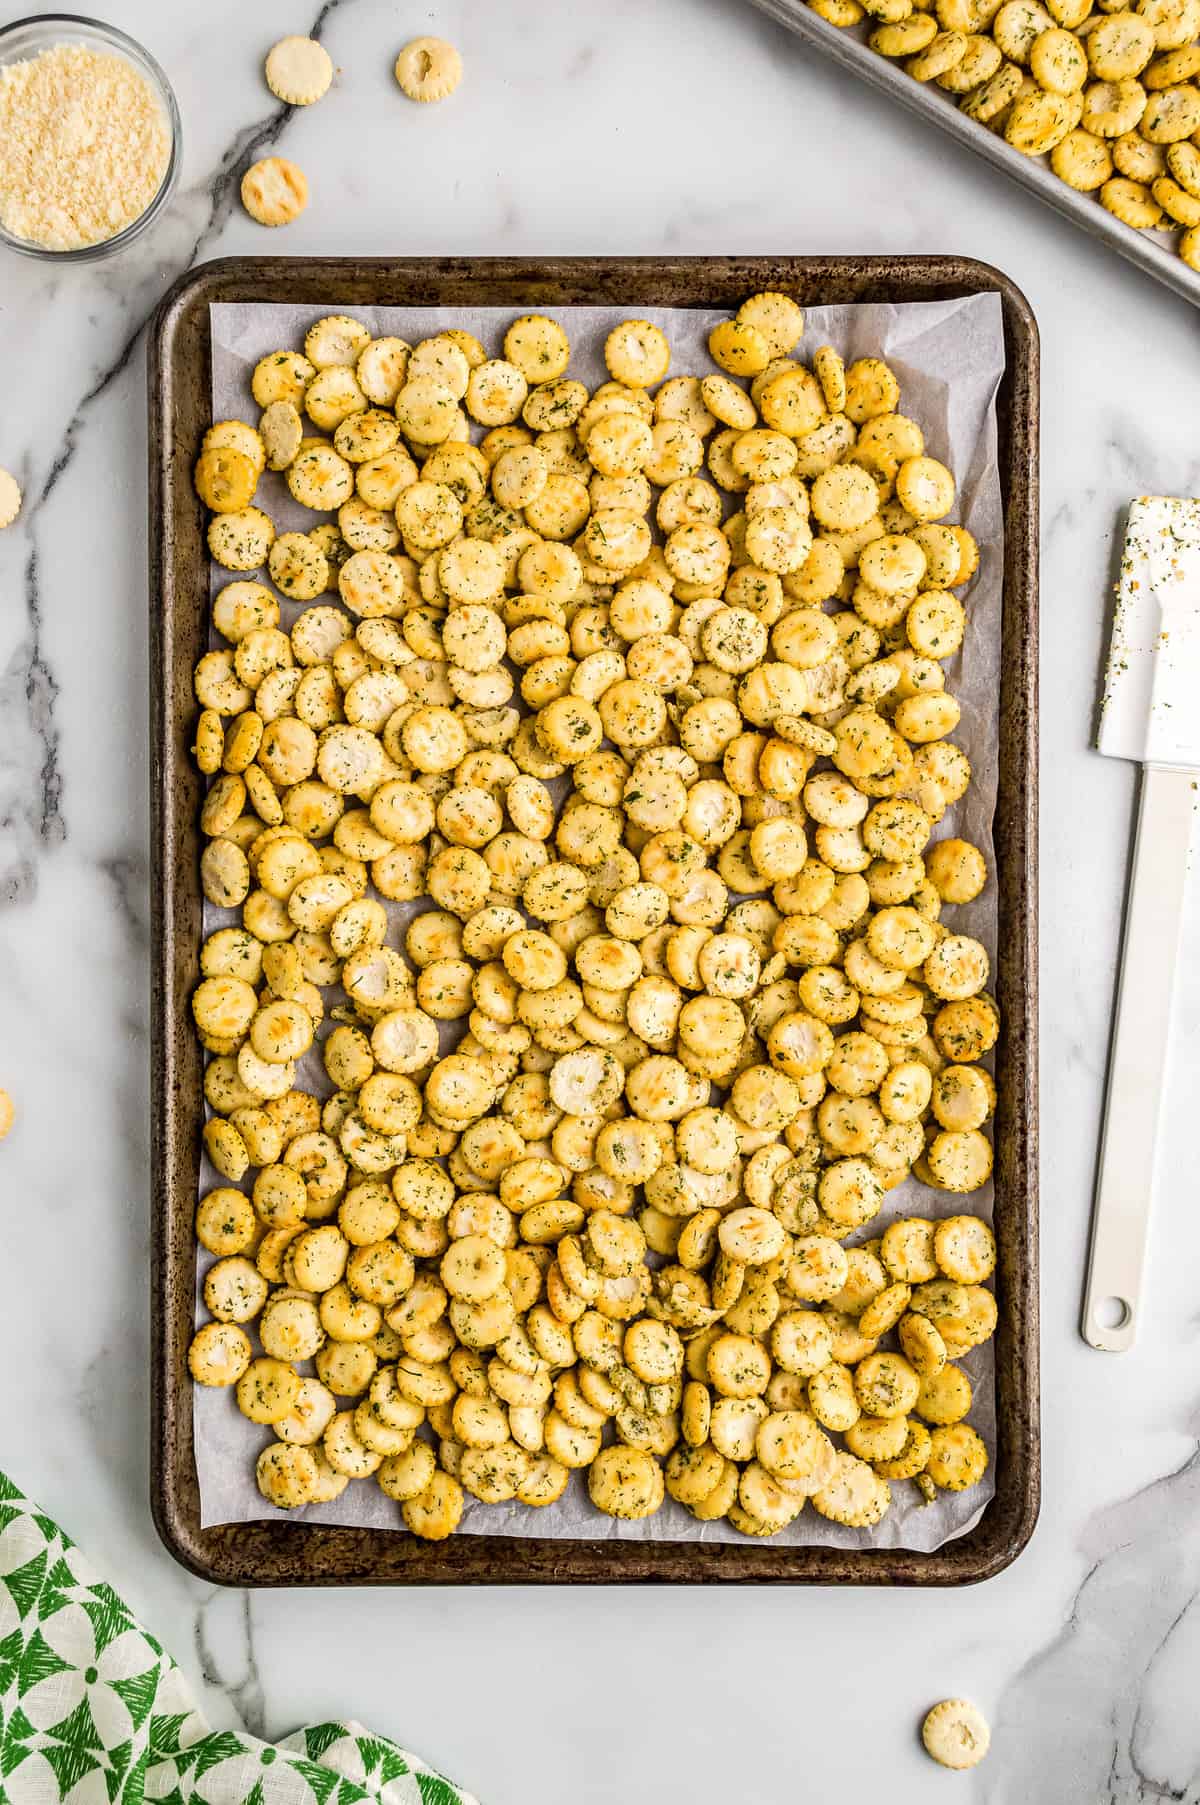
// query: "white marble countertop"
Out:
[605,126]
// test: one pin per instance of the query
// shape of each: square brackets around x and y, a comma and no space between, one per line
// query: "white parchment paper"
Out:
[949,358]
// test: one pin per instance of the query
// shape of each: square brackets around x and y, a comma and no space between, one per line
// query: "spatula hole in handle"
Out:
[1113,1313]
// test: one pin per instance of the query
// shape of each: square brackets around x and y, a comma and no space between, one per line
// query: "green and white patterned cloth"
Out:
[93,1711]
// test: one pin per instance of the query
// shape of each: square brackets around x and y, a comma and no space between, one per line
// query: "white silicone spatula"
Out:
[1151,713]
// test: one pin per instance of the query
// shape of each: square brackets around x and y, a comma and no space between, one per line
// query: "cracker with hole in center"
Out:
[428,69]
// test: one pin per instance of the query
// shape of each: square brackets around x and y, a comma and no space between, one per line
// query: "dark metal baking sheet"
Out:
[278,1554]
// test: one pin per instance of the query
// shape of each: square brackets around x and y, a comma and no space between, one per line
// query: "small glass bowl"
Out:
[26,38]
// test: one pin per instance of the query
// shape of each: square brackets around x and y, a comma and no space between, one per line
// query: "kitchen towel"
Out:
[95,1712]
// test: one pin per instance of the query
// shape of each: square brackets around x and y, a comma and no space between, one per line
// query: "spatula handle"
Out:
[1138,1059]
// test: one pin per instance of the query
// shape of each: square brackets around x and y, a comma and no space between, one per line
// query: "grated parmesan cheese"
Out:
[84,147]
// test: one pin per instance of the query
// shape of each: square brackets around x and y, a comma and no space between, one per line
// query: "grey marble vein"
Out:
[129,877]
[224,1642]
[31,793]
[1109,1706]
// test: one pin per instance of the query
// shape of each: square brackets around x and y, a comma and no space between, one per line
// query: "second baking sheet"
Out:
[1151,251]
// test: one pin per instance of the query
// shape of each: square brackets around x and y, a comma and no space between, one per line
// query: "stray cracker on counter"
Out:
[956,1733]
[299,71]
[274,191]
[10,498]
[428,69]
[6,1113]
